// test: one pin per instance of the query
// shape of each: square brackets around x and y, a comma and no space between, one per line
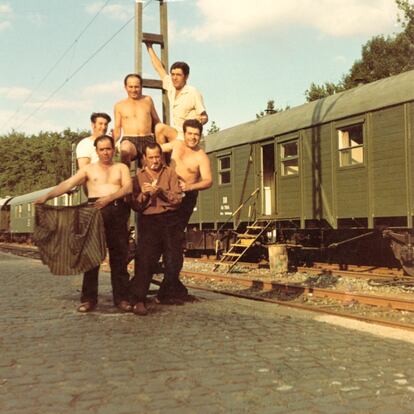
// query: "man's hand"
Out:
[150,189]
[184,186]
[102,202]
[41,200]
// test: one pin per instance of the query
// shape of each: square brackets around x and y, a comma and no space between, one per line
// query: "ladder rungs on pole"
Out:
[152,83]
[153,38]
[231,254]
[255,227]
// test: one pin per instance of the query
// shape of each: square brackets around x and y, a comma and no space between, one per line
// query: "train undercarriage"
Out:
[379,247]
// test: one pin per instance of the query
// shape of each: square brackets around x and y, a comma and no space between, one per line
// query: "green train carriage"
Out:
[327,171]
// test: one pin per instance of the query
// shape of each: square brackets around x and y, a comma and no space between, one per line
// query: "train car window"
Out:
[289,157]
[224,169]
[19,211]
[351,145]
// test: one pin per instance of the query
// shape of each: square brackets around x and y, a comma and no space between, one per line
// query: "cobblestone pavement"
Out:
[220,355]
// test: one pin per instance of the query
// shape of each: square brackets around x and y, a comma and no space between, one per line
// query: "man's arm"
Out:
[64,186]
[206,180]
[83,161]
[200,108]
[117,123]
[126,188]
[156,62]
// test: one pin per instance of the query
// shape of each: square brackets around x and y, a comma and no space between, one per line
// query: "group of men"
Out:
[164,195]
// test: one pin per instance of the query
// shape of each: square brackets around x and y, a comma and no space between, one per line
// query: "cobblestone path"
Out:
[219,355]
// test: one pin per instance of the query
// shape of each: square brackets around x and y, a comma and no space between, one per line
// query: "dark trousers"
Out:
[175,288]
[159,234]
[187,207]
[115,217]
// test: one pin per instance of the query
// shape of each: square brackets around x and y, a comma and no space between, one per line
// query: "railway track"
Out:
[384,310]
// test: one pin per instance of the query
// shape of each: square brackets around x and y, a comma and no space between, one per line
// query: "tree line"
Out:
[34,162]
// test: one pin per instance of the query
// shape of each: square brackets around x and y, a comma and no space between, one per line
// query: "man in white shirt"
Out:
[186,102]
[85,150]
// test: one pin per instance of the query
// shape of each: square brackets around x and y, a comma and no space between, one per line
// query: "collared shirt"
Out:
[167,199]
[187,105]
[86,149]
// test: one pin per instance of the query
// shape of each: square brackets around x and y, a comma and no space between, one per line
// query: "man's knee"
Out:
[128,149]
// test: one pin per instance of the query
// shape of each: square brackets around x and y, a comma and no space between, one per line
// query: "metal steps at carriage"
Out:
[242,245]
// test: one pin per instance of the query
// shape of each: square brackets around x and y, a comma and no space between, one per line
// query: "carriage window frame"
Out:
[289,161]
[224,171]
[351,154]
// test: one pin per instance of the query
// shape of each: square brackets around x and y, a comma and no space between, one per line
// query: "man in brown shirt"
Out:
[157,197]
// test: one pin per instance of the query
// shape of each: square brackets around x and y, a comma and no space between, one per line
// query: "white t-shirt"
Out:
[86,149]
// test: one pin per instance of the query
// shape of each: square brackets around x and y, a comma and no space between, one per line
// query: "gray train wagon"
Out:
[22,211]
[342,162]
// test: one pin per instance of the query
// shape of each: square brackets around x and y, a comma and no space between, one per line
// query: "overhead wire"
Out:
[76,71]
[52,68]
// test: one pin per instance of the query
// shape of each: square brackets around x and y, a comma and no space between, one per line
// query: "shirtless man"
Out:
[136,117]
[185,101]
[107,183]
[193,169]
[85,150]
[192,166]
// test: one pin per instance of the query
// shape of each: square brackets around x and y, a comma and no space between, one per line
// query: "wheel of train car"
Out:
[404,254]
[409,270]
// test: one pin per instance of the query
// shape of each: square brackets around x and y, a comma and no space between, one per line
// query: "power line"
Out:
[57,63]
[80,68]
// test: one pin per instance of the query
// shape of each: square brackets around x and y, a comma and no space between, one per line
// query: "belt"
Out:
[115,203]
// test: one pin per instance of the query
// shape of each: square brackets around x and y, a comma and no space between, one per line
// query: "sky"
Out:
[62,60]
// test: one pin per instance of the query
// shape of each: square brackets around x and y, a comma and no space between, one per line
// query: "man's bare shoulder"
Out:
[121,103]
[202,155]
[120,166]
[199,152]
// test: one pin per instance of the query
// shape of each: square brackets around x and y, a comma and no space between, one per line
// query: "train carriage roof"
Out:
[4,201]
[376,95]
[30,197]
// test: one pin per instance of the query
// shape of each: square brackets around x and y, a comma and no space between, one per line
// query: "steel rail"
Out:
[344,296]
[321,310]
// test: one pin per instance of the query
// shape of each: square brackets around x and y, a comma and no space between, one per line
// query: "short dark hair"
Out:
[103,115]
[151,145]
[132,75]
[103,138]
[193,123]
[181,65]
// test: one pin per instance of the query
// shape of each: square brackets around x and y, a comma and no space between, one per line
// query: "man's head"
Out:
[133,85]
[179,72]
[192,132]
[99,123]
[153,156]
[105,148]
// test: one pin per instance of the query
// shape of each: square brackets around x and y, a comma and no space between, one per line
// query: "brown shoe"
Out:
[124,306]
[140,309]
[86,307]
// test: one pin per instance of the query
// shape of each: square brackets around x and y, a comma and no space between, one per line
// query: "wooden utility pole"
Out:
[158,39]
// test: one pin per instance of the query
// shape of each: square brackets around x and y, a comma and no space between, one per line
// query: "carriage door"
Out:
[268,179]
